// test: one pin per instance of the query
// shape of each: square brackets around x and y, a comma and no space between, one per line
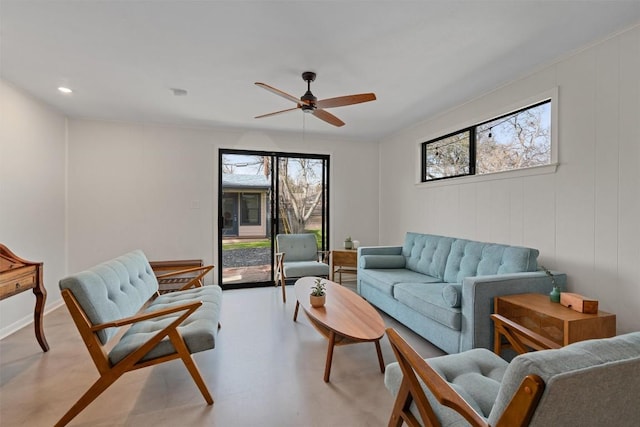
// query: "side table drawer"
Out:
[15,285]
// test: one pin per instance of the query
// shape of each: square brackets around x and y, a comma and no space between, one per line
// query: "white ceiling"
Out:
[420,57]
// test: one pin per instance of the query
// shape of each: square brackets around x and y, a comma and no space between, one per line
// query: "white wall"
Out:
[584,218]
[155,188]
[32,197]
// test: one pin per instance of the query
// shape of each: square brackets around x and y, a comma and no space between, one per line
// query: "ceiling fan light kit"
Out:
[308,102]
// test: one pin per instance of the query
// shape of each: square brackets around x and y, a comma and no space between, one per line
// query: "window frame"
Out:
[550,96]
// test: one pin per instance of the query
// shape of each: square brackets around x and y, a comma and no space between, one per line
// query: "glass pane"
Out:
[516,141]
[301,190]
[246,242]
[447,157]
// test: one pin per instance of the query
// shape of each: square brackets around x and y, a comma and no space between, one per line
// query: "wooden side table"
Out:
[342,261]
[556,322]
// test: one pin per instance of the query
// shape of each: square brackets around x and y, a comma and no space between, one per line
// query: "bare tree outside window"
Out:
[448,156]
[520,140]
[301,191]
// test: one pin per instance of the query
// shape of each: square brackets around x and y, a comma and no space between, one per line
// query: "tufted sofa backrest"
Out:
[468,258]
[452,259]
[427,253]
[113,290]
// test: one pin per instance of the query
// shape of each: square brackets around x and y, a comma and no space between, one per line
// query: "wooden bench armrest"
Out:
[146,316]
[520,338]
[195,281]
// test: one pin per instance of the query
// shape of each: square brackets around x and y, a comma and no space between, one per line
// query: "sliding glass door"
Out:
[262,194]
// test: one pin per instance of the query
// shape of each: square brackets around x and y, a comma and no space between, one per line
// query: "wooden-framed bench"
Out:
[126,325]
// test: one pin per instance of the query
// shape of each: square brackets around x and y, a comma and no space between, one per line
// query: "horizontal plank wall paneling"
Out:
[584,217]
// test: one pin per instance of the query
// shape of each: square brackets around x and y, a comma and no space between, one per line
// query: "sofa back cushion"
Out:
[427,253]
[113,290]
[469,258]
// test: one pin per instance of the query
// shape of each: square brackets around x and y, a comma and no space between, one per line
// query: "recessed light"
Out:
[64,89]
[178,92]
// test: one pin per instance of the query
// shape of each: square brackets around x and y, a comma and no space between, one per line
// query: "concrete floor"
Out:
[266,370]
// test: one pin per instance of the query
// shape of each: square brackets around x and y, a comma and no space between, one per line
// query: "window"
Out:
[518,140]
[250,209]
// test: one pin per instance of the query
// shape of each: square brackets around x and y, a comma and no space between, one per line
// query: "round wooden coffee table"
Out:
[346,318]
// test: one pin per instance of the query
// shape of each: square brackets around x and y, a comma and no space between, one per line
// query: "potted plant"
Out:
[348,243]
[318,294]
[554,295]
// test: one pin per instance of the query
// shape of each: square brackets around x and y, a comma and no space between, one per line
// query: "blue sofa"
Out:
[443,287]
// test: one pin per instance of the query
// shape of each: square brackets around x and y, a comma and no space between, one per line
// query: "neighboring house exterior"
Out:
[244,205]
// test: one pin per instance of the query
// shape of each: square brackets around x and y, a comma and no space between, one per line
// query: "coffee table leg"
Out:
[380,360]
[295,313]
[327,367]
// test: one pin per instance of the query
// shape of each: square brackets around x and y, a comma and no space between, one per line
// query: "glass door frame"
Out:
[273,227]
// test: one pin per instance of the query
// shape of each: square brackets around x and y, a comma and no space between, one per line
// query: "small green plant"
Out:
[318,288]
[550,274]
[348,239]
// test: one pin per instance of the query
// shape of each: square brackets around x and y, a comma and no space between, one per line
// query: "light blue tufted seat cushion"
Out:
[119,288]
[198,330]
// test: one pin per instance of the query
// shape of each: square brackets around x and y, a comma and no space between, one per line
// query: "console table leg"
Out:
[38,317]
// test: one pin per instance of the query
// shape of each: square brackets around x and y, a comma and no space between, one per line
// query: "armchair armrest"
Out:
[521,339]
[477,301]
[411,363]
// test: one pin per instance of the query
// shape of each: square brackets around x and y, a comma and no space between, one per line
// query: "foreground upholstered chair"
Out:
[297,256]
[588,383]
[122,293]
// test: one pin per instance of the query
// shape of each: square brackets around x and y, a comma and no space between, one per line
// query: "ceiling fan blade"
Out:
[341,101]
[279,92]
[327,117]
[277,112]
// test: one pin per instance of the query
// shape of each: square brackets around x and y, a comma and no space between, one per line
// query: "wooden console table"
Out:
[18,275]
[556,322]
[342,261]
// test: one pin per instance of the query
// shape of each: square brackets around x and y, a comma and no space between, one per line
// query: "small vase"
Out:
[348,245]
[317,301]
[554,295]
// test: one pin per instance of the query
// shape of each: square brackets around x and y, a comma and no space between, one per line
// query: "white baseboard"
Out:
[27,320]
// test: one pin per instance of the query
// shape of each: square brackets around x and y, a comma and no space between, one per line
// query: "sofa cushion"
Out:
[382,261]
[198,330]
[426,253]
[385,279]
[426,299]
[468,258]
[452,294]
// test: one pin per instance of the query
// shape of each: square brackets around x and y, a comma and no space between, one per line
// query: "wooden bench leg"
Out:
[89,396]
[187,358]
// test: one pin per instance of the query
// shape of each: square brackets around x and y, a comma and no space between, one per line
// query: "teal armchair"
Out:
[297,256]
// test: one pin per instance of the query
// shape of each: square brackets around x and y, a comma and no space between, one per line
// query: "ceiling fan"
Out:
[310,104]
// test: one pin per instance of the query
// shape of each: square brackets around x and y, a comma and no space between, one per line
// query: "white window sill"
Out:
[518,173]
